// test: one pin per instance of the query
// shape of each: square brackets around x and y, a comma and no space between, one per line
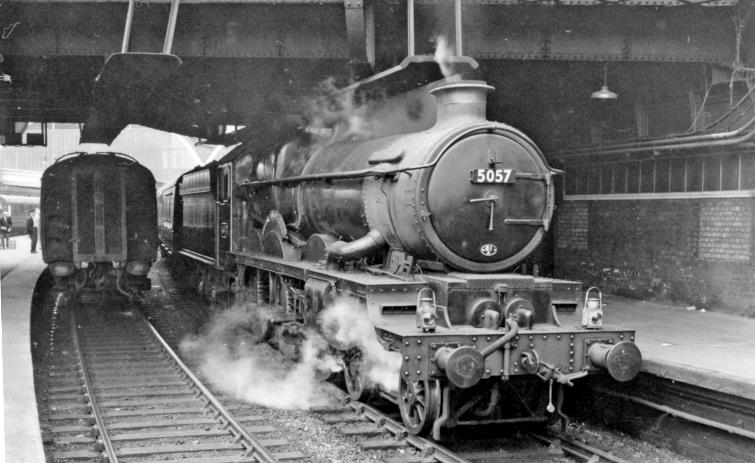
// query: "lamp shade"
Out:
[604,94]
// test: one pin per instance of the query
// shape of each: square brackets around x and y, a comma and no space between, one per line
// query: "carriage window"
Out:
[223,184]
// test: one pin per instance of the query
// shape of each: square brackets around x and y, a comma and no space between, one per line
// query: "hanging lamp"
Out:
[604,93]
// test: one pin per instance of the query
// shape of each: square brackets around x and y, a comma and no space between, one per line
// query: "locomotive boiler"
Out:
[473,194]
[99,223]
[416,228]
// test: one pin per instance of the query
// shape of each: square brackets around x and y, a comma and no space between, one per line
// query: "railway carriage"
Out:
[419,229]
[98,222]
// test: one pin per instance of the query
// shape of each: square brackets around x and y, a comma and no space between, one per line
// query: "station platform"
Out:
[22,441]
[707,349]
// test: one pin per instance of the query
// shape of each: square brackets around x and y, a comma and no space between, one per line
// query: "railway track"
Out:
[700,423]
[379,431]
[374,429]
[115,391]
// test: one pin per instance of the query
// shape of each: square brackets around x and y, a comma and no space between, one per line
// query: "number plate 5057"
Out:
[493,175]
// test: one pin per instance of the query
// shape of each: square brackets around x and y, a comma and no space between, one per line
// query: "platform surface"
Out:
[708,349]
[22,442]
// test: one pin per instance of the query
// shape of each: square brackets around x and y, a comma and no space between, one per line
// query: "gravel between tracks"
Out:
[623,446]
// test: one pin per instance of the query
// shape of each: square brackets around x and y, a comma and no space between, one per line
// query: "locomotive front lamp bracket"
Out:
[427,310]
[592,310]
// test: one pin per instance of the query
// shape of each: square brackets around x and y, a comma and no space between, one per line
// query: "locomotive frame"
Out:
[355,220]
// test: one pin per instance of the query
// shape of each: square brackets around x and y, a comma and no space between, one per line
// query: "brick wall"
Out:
[572,221]
[690,251]
[725,230]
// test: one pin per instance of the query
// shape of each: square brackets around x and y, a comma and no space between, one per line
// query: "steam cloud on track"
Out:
[233,361]
[348,325]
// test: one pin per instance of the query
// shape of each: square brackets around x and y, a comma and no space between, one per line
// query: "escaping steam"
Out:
[336,109]
[232,359]
[340,114]
[443,54]
[347,325]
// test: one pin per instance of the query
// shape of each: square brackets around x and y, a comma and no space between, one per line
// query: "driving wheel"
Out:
[419,402]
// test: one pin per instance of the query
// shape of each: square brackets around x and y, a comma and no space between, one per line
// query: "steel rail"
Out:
[427,447]
[101,428]
[560,440]
[257,450]
[681,414]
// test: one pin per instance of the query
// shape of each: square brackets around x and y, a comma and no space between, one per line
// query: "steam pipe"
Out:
[733,137]
[495,396]
[464,365]
[364,246]
[513,327]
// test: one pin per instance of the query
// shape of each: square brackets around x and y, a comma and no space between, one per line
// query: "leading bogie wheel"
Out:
[353,377]
[419,402]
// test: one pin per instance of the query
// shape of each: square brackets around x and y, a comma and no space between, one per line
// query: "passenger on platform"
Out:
[31,229]
[5,227]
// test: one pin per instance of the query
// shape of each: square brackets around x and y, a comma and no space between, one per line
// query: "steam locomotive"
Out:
[415,220]
[98,219]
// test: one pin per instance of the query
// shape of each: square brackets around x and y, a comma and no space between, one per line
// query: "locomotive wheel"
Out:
[419,402]
[353,377]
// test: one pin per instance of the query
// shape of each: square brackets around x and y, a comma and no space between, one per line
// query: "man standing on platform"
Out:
[5,227]
[31,229]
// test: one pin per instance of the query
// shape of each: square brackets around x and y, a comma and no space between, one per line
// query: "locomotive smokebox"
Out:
[461,102]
